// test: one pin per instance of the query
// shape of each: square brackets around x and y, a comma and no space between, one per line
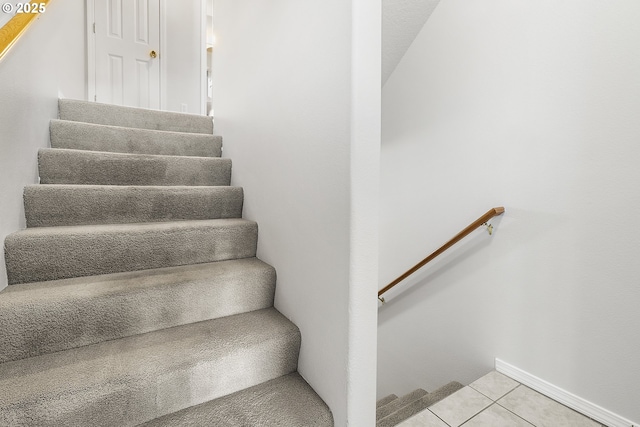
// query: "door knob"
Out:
[153,54]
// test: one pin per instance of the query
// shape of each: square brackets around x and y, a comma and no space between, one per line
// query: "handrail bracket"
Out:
[489,227]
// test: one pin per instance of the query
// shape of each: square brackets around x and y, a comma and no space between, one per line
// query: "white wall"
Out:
[366,100]
[298,110]
[182,55]
[47,62]
[402,20]
[533,105]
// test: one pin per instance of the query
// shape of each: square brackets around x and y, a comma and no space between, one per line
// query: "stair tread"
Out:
[75,312]
[96,137]
[65,166]
[48,205]
[117,154]
[116,115]
[287,401]
[418,405]
[398,403]
[151,374]
[385,400]
[49,253]
[131,227]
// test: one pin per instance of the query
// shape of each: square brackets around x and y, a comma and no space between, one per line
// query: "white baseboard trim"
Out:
[574,402]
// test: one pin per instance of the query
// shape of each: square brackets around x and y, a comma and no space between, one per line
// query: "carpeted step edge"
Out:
[49,205]
[419,405]
[284,401]
[50,253]
[46,317]
[117,139]
[116,115]
[385,400]
[133,380]
[398,403]
[62,166]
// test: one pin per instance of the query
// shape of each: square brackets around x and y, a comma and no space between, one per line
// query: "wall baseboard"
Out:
[570,400]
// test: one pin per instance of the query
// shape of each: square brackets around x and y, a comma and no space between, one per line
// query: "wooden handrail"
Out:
[475,224]
[12,30]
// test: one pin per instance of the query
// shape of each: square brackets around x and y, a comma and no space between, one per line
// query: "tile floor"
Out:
[496,400]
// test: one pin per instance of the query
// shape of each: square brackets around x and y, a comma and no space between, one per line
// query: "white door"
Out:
[127,56]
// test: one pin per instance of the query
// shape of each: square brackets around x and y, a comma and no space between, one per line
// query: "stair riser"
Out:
[418,405]
[385,400]
[58,315]
[69,252]
[406,412]
[286,401]
[114,115]
[86,136]
[94,388]
[61,205]
[94,168]
[396,404]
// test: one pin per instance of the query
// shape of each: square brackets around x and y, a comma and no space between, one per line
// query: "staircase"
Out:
[136,295]
[392,410]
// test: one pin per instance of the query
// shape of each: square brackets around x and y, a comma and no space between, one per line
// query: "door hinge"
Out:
[94,28]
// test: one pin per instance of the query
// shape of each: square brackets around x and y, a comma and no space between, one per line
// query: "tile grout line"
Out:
[496,400]
[436,415]
[510,411]
[479,412]
[476,414]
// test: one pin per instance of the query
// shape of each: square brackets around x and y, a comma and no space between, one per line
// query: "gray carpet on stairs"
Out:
[414,407]
[385,400]
[49,253]
[61,166]
[136,295]
[132,380]
[114,115]
[285,401]
[398,403]
[59,205]
[92,137]
[46,317]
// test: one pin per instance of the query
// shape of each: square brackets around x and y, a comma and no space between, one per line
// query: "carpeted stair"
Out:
[392,410]
[136,295]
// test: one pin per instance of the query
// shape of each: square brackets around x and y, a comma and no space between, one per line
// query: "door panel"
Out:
[116,78]
[142,27]
[126,33]
[114,19]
